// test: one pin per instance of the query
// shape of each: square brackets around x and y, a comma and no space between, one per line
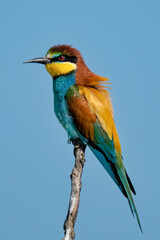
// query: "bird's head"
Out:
[59,60]
[64,60]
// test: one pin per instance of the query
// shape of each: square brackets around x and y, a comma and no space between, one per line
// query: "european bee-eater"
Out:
[83,107]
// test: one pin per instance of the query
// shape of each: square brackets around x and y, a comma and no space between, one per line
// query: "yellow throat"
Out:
[57,68]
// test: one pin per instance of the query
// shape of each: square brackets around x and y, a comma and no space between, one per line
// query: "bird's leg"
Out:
[69,141]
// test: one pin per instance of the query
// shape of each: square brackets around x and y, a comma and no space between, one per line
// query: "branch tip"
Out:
[79,153]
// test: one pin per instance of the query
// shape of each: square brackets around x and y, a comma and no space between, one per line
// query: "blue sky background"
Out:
[119,40]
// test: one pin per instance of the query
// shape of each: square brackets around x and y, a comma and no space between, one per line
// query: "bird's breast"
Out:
[60,87]
[62,113]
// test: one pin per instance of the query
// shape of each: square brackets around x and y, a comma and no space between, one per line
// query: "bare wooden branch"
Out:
[79,153]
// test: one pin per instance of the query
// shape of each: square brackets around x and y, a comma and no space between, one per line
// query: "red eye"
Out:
[61,58]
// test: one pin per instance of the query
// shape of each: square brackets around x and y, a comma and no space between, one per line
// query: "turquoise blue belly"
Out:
[60,87]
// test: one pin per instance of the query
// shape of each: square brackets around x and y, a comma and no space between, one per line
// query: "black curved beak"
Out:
[39,60]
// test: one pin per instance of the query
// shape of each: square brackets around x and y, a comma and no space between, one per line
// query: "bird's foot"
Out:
[69,141]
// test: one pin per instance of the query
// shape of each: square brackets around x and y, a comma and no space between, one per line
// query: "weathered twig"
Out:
[79,151]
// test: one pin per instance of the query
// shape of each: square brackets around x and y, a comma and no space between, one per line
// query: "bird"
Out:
[82,104]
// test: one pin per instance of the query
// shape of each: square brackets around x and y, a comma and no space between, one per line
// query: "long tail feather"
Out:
[130,183]
[123,177]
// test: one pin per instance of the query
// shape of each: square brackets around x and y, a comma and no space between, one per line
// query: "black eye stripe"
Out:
[72,59]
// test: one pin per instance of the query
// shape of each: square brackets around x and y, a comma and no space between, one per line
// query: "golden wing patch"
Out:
[100,104]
